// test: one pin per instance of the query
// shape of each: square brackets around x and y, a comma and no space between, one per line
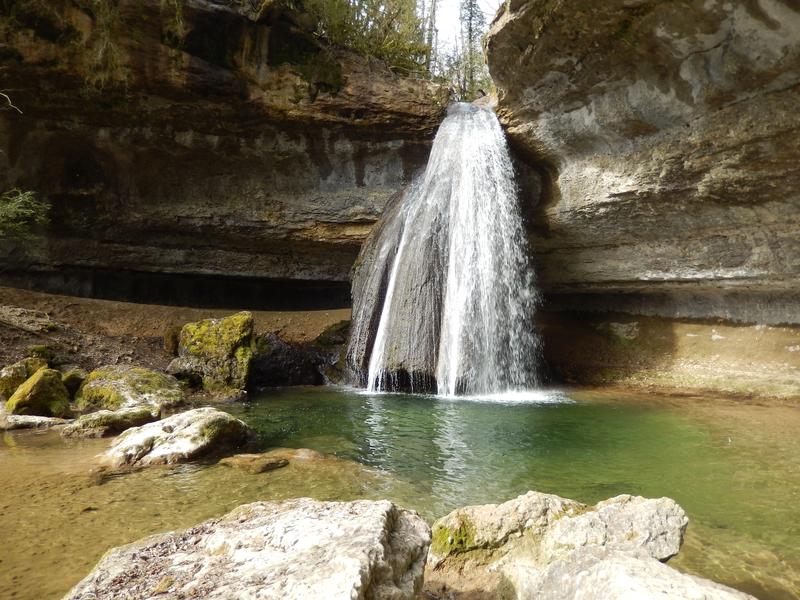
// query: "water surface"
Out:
[734,467]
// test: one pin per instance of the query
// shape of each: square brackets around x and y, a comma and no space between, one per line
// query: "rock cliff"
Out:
[667,135]
[204,137]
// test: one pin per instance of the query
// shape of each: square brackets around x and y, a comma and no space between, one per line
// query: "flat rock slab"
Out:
[179,438]
[292,550]
[254,463]
[9,422]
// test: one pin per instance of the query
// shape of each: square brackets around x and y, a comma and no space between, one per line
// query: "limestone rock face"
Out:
[42,395]
[543,546]
[13,376]
[121,386]
[292,550]
[225,141]
[219,351]
[667,135]
[104,423]
[603,574]
[179,438]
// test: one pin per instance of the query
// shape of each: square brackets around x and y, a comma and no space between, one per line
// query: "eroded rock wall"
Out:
[668,131]
[212,139]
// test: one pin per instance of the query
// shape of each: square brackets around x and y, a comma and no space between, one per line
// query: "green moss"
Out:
[72,380]
[446,540]
[13,376]
[221,349]
[304,55]
[113,387]
[334,335]
[42,394]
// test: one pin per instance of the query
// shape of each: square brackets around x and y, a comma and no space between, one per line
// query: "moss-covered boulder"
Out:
[104,423]
[13,376]
[42,395]
[217,351]
[122,386]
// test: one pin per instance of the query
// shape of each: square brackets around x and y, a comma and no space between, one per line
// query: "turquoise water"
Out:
[733,467]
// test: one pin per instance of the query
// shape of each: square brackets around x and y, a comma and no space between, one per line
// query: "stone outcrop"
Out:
[668,137]
[665,136]
[104,423]
[122,386]
[295,549]
[543,546]
[216,351]
[42,395]
[211,141]
[179,438]
[9,422]
[254,463]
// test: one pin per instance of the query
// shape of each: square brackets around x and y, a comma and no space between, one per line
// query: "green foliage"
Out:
[464,67]
[21,214]
[390,30]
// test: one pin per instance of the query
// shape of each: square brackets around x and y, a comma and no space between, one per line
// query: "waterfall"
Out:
[444,295]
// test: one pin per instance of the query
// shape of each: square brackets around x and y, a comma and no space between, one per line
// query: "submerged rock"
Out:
[105,423]
[255,463]
[295,549]
[179,438]
[13,376]
[120,386]
[41,395]
[217,351]
[543,546]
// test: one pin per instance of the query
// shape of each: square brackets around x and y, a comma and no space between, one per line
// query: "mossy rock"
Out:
[42,352]
[72,378]
[334,335]
[120,386]
[13,376]
[218,350]
[106,422]
[446,541]
[42,395]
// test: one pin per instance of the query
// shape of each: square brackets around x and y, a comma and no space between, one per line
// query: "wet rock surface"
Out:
[254,463]
[275,550]
[182,437]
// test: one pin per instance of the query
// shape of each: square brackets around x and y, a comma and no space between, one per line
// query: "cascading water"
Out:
[444,296]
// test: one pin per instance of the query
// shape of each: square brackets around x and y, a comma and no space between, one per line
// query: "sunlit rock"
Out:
[179,438]
[121,386]
[297,549]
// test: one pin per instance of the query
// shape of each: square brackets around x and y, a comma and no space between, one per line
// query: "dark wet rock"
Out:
[281,363]
[42,395]
[254,463]
[299,549]
[72,377]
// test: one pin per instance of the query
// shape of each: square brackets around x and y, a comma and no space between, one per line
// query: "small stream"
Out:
[733,466]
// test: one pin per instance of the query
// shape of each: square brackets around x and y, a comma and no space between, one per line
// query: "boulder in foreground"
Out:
[292,550]
[179,438]
[546,547]
[13,376]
